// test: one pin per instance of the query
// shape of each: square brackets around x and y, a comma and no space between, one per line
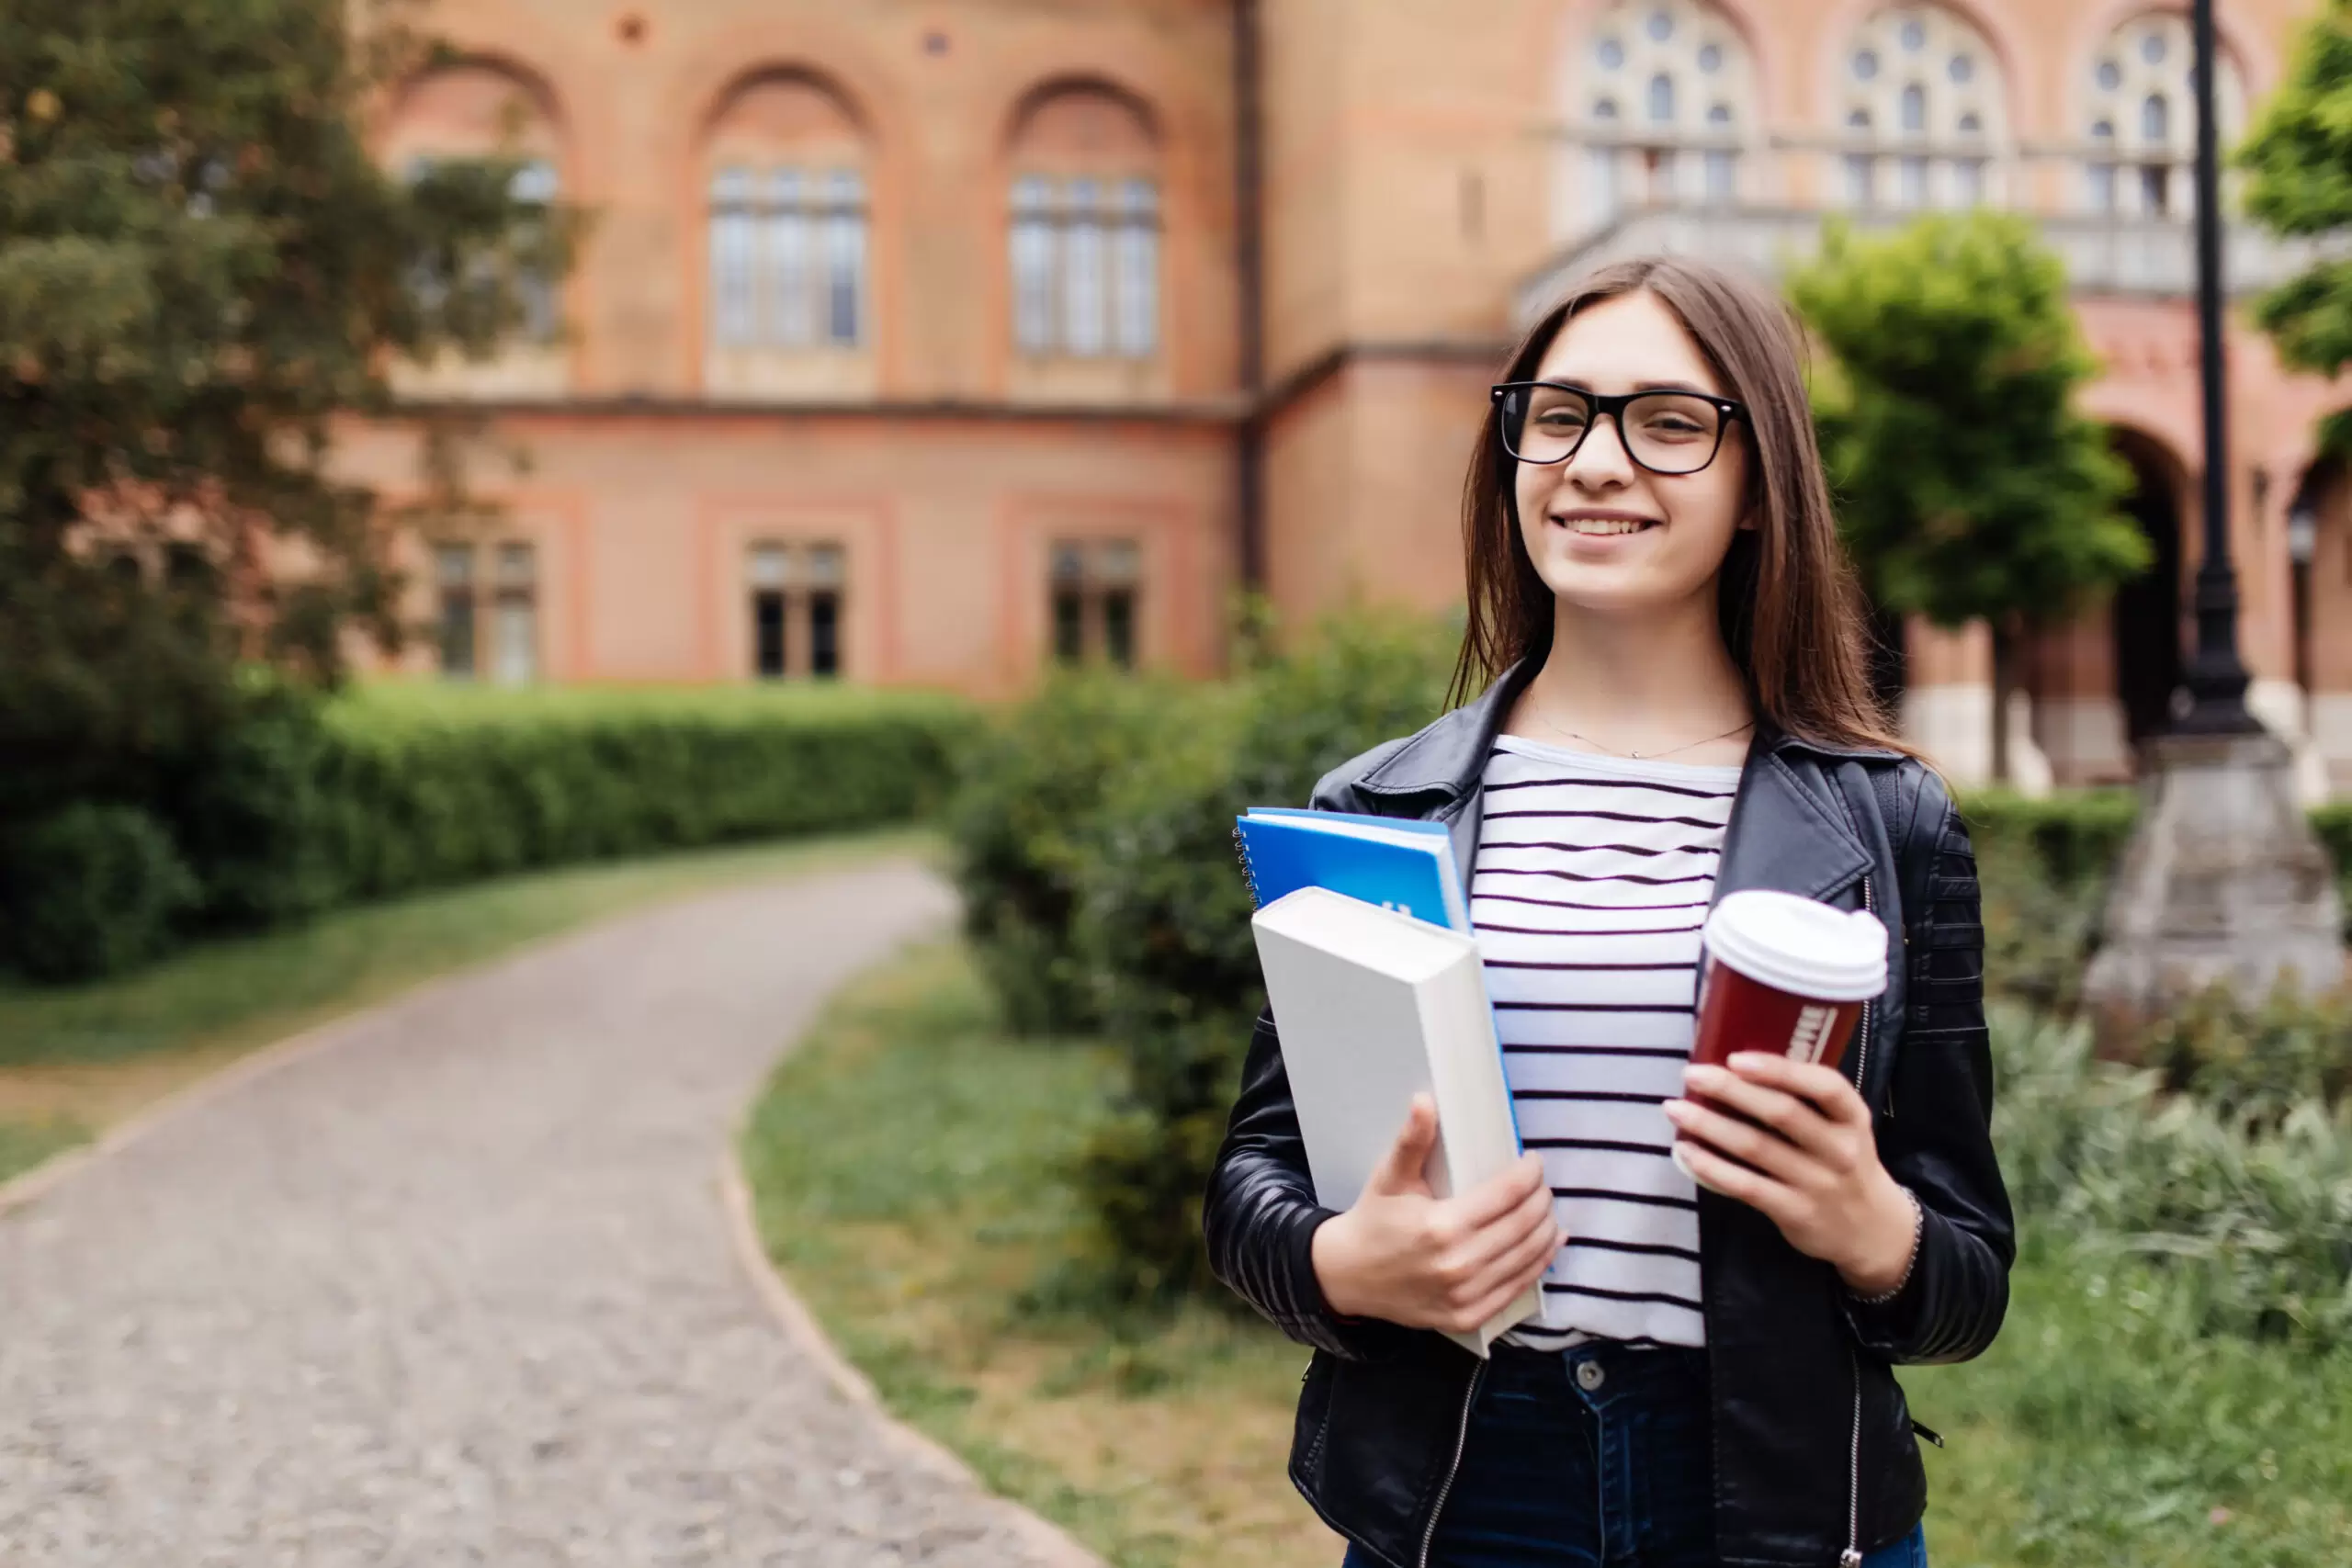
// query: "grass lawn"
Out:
[75,1059]
[904,1161]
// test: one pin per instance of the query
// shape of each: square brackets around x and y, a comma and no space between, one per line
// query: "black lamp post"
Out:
[2217,679]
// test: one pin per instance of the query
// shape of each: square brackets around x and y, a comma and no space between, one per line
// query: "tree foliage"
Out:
[1968,485]
[202,271]
[2299,162]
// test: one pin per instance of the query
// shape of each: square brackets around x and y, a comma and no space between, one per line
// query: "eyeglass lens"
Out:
[1667,432]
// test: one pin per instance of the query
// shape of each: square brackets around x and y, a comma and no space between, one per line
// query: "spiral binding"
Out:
[1248,874]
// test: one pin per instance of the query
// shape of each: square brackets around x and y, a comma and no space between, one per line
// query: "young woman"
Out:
[1676,705]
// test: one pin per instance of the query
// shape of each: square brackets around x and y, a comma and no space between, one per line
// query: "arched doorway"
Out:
[2146,611]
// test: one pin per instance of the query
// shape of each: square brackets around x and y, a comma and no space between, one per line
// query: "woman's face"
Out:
[1605,534]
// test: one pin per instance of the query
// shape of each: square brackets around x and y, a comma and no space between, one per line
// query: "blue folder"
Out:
[1400,863]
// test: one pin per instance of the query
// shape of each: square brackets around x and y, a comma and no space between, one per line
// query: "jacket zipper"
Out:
[1852,1556]
[1461,1439]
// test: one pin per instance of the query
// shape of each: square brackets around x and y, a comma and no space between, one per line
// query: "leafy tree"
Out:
[1968,486]
[201,273]
[2299,161]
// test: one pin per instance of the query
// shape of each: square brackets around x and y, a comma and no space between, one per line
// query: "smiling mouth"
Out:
[1604,526]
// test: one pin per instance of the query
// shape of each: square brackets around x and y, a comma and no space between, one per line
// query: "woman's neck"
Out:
[1649,683]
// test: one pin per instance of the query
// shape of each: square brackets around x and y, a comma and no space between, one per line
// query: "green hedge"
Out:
[302,806]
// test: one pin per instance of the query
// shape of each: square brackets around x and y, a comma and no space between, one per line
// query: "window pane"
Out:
[1662,99]
[1970,174]
[1860,179]
[518,641]
[1069,625]
[518,566]
[1033,265]
[1084,286]
[1723,175]
[1914,107]
[1068,563]
[2102,186]
[1915,181]
[535,184]
[1119,626]
[767,633]
[825,565]
[792,318]
[845,257]
[771,566]
[1138,271]
[732,241]
[825,633]
[1117,561]
[454,569]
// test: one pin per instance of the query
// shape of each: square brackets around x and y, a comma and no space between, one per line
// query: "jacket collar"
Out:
[1789,829]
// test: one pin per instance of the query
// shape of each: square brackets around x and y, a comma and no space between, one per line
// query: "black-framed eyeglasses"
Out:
[1667,432]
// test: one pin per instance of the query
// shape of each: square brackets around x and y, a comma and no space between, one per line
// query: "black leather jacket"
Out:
[1815,1458]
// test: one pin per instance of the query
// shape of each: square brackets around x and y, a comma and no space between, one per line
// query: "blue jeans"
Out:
[1595,1457]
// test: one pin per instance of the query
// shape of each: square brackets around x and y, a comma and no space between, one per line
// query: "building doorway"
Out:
[2147,610]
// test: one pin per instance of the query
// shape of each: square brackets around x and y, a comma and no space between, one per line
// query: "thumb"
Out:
[1400,1168]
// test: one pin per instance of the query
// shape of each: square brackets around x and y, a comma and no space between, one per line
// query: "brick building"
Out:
[919,341]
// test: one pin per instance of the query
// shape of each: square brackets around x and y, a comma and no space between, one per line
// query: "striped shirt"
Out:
[1592,878]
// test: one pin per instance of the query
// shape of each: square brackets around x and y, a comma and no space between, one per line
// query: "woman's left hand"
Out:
[1812,1167]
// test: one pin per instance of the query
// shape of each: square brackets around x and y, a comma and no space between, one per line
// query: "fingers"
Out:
[1824,1087]
[1400,1168]
[1503,1192]
[1801,1122]
[1504,1232]
[1728,1176]
[1510,1274]
[1760,1147]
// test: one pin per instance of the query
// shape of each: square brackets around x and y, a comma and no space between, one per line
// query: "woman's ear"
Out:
[1749,522]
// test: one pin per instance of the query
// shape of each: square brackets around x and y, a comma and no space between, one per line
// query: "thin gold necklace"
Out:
[1644,756]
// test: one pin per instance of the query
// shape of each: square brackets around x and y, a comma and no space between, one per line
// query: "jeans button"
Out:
[1589,1376]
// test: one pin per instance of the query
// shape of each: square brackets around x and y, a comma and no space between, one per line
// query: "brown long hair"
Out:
[1792,611]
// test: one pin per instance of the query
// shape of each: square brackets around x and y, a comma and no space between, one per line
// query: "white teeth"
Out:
[1605,525]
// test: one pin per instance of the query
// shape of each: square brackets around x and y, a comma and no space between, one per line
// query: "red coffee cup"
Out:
[1785,975]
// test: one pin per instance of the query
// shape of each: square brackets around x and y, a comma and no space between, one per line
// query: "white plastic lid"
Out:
[1799,945]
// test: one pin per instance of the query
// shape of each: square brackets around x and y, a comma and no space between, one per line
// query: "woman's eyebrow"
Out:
[1691,387]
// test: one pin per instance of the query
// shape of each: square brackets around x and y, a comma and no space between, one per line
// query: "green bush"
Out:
[91,890]
[296,806]
[1030,788]
[1164,916]
[426,793]
[2241,1206]
[2075,836]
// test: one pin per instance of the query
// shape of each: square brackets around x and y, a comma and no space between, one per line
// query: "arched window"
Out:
[1084,230]
[479,110]
[1686,74]
[788,221]
[1922,96]
[2139,112]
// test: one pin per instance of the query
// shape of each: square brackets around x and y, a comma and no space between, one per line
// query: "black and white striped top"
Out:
[1593,876]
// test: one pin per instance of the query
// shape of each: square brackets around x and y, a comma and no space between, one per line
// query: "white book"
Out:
[1375,1007]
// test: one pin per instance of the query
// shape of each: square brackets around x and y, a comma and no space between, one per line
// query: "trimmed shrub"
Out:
[423,793]
[1030,788]
[299,805]
[2076,836]
[256,817]
[91,890]
[2246,1217]
[1165,918]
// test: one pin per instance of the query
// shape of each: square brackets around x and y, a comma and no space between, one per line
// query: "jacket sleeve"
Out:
[1937,1136]
[1259,1214]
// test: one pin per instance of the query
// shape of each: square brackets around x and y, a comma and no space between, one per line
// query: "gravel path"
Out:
[458,1288]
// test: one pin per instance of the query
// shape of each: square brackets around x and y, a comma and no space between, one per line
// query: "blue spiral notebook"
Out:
[1399,864]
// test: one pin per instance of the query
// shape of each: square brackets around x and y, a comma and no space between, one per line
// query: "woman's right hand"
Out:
[1406,1255]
